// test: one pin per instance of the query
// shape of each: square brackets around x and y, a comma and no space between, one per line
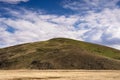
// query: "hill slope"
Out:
[59,53]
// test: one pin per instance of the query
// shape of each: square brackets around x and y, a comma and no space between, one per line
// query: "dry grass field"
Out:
[59,75]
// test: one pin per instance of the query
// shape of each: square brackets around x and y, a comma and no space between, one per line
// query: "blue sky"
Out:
[96,21]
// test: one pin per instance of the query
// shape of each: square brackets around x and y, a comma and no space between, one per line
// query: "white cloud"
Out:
[88,5]
[13,1]
[104,27]
[116,46]
[30,26]
[101,20]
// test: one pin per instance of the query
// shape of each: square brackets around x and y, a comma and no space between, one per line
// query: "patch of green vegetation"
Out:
[89,47]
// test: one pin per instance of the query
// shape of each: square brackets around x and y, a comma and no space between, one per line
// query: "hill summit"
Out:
[59,53]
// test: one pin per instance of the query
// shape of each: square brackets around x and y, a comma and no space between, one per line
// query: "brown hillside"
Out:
[59,53]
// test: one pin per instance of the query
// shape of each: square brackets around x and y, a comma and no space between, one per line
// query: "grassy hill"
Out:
[59,53]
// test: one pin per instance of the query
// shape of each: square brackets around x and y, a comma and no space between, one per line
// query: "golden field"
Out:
[59,75]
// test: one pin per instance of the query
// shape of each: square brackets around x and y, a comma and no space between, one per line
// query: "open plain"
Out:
[59,75]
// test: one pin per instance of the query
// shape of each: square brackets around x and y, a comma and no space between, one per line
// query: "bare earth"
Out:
[59,75]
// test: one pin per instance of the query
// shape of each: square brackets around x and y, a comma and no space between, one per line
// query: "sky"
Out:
[95,21]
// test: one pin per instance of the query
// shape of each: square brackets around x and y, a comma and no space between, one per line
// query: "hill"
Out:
[59,53]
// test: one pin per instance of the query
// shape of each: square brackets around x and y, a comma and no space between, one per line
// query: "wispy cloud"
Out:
[33,26]
[13,1]
[104,27]
[89,5]
[101,20]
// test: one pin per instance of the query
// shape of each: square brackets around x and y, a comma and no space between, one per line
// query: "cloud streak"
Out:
[89,5]
[13,1]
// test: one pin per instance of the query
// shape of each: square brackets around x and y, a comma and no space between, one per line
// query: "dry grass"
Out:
[59,75]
